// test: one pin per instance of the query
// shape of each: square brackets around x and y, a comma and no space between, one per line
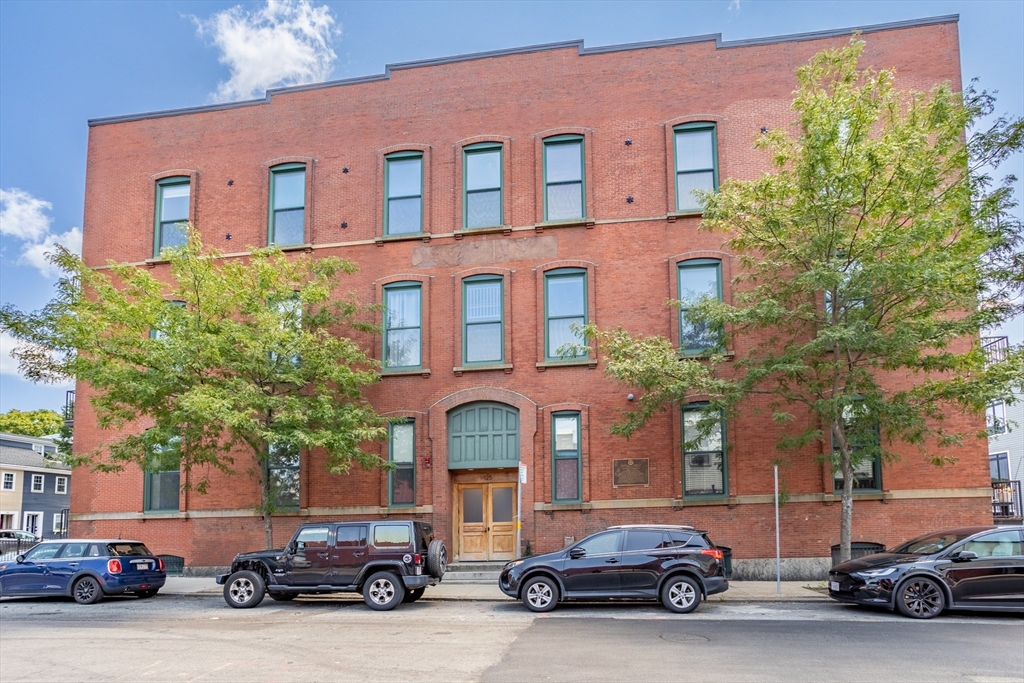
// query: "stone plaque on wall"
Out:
[632,472]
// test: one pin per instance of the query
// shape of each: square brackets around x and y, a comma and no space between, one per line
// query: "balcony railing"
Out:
[69,408]
[1006,501]
[995,349]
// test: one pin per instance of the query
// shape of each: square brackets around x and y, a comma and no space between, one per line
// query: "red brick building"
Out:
[492,200]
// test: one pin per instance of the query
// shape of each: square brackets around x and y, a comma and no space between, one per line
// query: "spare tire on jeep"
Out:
[437,558]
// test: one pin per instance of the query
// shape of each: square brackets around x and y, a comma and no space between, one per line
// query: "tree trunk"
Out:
[846,506]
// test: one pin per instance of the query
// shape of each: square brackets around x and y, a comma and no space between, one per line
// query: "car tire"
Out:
[413,595]
[244,589]
[383,591]
[282,597]
[87,591]
[920,598]
[143,595]
[437,558]
[540,594]
[680,594]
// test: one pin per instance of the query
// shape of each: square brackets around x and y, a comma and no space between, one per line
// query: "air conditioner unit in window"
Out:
[700,460]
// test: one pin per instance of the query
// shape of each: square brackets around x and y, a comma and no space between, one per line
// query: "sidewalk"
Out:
[739,591]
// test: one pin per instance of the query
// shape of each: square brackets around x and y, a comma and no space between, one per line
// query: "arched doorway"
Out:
[483,457]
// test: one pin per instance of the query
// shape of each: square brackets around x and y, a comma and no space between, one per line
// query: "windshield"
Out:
[932,543]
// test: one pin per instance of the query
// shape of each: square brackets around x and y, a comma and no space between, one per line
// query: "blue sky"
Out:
[62,63]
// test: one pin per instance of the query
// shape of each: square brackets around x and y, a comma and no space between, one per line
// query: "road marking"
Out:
[222,666]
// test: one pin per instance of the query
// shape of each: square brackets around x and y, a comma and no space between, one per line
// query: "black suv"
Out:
[389,562]
[677,564]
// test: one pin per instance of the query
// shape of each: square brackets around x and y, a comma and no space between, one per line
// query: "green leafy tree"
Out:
[31,423]
[228,358]
[872,256]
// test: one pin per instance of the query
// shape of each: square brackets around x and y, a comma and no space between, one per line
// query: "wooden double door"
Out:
[485,519]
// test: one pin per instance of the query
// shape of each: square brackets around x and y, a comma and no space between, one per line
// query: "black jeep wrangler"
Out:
[387,561]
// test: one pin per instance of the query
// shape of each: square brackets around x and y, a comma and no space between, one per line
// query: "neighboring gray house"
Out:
[1006,458]
[35,488]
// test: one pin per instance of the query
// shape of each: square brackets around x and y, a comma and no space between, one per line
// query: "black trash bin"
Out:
[857,550]
[726,560]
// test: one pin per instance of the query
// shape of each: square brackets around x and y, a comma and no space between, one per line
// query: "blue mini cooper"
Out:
[85,569]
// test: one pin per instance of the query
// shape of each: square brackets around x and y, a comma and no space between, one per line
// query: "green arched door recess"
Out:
[483,435]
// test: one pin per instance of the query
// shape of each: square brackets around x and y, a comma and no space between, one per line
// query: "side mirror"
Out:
[293,548]
[20,559]
[965,556]
[577,553]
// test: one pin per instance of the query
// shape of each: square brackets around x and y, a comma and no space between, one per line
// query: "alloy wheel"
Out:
[922,598]
[539,595]
[382,591]
[242,590]
[85,591]
[681,594]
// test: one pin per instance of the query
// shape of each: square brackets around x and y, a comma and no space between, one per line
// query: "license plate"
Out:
[834,585]
[142,564]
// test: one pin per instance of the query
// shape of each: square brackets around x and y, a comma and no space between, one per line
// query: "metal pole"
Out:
[778,548]
[519,513]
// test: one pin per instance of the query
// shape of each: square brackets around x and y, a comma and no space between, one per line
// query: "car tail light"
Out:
[160,563]
[713,552]
[113,566]
[417,559]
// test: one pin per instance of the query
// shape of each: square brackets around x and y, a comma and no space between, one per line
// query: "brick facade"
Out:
[628,249]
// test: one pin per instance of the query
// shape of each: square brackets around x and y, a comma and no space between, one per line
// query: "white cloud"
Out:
[35,254]
[8,366]
[734,6]
[23,216]
[286,42]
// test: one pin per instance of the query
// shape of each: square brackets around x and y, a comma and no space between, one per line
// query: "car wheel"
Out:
[540,594]
[87,591]
[680,594]
[383,591]
[920,598]
[244,589]
[147,594]
[414,594]
[437,558]
[282,597]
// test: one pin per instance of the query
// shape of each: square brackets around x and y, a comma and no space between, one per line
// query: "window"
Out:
[163,479]
[43,551]
[8,481]
[704,465]
[155,333]
[402,452]
[565,450]
[289,311]
[867,473]
[565,304]
[288,205]
[999,466]
[312,537]
[482,309]
[391,535]
[403,201]
[172,205]
[62,485]
[638,539]
[995,417]
[602,544]
[283,474]
[999,544]
[482,200]
[353,536]
[37,483]
[402,321]
[564,186]
[698,279]
[696,163]
[58,528]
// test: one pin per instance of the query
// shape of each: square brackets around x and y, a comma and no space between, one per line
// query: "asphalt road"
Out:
[188,639]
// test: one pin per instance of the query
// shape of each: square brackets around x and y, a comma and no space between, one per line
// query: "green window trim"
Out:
[388,197]
[562,454]
[158,486]
[280,214]
[467,323]
[692,349]
[403,329]
[697,460]
[557,275]
[478,149]
[291,468]
[858,476]
[405,471]
[549,144]
[694,172]
[163,238]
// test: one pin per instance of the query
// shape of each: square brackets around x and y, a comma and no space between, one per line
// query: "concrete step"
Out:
[473,572]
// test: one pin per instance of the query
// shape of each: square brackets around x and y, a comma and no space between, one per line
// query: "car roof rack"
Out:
[652,526]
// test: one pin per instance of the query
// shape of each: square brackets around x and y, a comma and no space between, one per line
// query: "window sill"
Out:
[572,223]
[162,514]
[157,261]
[404,237]
[561,507]
[492,230]
[672,216]
[590,363]
[728,355]
[293,247]
[507,367]
[700,501]
[405,373]
[869,494]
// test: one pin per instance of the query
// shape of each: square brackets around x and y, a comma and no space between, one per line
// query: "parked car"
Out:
[973,568]
[84,569]
[389,562]
[676,564]
[18,535]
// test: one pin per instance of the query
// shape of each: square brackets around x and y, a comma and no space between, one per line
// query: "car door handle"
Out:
[611,561]
[323,555]
[72,564]
[358,554]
